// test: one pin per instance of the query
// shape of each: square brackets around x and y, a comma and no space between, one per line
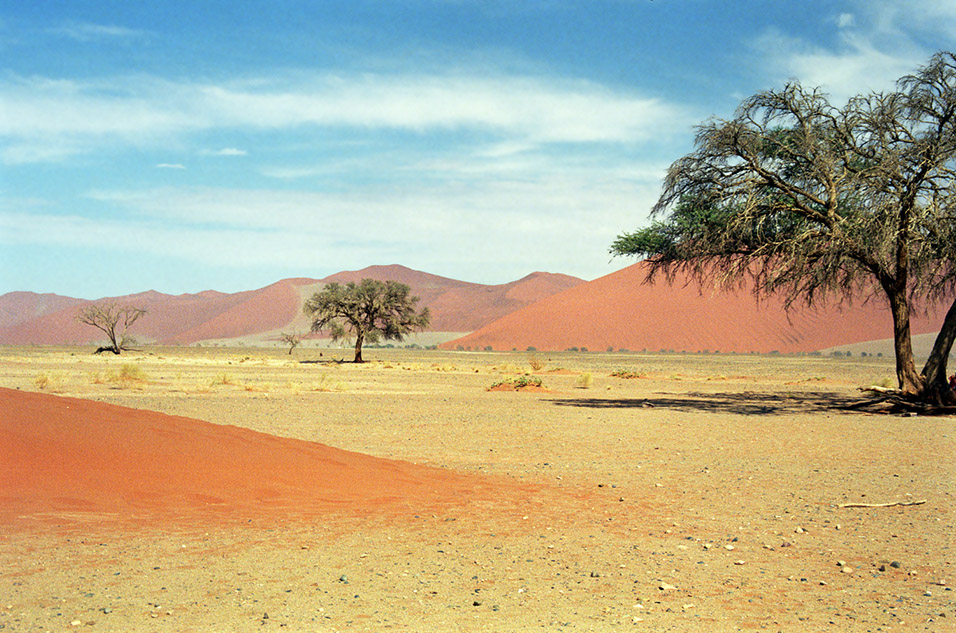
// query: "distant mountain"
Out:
[620,311]
[456,306]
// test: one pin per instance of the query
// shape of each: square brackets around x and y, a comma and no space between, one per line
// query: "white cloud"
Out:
[89,32]
[477,231]
[874,46]
[58,114]
[170,166]
[226,151]
[845,20]
[857,67]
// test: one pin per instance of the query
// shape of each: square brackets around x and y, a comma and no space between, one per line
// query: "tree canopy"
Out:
[369,311]
[812,200]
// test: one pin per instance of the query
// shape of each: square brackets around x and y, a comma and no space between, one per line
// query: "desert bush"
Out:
[48,381]
[622,373]
[519,382]
[585,380]
[536,363]
[131,373]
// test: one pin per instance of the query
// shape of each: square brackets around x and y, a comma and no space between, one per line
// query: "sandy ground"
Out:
[701,495]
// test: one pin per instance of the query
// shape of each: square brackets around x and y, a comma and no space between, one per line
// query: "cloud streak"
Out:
[875,45]
[47,118]
[91,32]
[497,231]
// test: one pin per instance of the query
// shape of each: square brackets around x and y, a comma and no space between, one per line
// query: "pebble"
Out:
[728,547]
[740,562]
[75,623]
[800,530]
[896,564]
[666,587]
[847,570]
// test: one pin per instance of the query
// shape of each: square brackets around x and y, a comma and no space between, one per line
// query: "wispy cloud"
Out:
[69,115]
[170,166]
[874,45]
[559,221]
[226,151]
[90,32]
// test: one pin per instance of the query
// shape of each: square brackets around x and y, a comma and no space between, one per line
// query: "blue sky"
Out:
[182,146]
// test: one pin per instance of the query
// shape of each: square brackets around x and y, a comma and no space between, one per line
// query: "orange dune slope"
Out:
[621,311]
[62,456]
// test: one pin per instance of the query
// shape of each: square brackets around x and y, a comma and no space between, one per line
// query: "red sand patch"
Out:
[507,386]
[62,456]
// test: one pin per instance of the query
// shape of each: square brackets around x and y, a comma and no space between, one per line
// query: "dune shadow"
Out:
[739,403]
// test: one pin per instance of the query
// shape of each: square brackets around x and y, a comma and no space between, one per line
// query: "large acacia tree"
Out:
[810,199]
[368,311]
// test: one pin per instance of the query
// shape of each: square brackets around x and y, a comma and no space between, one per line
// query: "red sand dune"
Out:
[456,306]
[62,456]
[620,311]
[459,306]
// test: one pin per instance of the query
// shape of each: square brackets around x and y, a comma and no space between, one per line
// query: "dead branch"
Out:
[882,505]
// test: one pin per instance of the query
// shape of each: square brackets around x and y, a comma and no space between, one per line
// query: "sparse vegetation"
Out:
[519,382]
[49,381]
[627,375]
[128,375]
[536,363]
[585,380]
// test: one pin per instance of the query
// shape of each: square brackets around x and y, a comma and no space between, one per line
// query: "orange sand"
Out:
[63,456]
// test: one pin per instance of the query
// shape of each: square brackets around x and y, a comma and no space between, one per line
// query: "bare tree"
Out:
[291,339]
[114,320]
[811,200]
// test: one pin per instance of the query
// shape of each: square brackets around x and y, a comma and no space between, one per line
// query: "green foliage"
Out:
[809,199]
[368,311]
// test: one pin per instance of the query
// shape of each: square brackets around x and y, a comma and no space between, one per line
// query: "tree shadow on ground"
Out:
[739,402]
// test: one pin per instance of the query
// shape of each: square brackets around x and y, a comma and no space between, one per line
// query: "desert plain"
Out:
[630,491]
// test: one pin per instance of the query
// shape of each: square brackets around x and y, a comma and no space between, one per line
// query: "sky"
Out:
[207,144]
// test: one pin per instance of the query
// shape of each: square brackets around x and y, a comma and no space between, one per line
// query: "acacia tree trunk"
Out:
[359,340]
[936,389]
[910,381]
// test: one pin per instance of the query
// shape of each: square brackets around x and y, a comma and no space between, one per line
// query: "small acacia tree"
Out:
[369,311]
[114,320]
[292,339]
[810,200]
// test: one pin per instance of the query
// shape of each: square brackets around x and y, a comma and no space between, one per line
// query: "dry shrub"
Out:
[49,381]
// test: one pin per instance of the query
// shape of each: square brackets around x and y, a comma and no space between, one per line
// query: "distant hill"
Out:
[20,307]
[258,315]
[620,311]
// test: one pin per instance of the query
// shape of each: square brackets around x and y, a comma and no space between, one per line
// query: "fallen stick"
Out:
[881,505]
